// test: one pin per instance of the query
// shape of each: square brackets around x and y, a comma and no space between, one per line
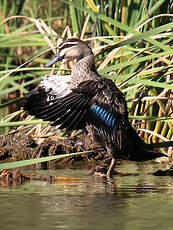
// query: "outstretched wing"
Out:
[50,88]
[97,103]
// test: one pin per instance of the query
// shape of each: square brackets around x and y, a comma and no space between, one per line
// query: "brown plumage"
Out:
[92,102]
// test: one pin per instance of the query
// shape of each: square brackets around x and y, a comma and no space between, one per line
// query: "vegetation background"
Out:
[132,41]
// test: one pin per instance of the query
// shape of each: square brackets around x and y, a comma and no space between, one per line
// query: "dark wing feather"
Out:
[112,100]
[75,110]
[59,107]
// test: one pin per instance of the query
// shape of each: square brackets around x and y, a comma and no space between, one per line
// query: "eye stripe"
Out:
[63,51]
[66,45]
[71,41]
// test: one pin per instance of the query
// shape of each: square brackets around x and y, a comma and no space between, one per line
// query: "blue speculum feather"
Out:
[104,115]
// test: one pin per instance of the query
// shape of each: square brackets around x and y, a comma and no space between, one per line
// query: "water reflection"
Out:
[134,202]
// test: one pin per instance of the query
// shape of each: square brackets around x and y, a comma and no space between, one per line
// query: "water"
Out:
[134,202]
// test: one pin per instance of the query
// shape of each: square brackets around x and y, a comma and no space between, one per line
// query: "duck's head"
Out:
[71,49]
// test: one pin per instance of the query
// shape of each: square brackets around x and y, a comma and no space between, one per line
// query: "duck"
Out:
[89,102]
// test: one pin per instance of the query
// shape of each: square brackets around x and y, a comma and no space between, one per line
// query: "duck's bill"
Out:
[55,59]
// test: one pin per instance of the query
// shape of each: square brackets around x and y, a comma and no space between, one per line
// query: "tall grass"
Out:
[132,41]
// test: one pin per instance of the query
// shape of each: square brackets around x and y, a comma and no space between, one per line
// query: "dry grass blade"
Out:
[108,58]
[85,27]
[18,16]
[44,29]
[153,134]
[151,19]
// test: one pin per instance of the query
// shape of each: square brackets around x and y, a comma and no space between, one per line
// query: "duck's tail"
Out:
[139,150]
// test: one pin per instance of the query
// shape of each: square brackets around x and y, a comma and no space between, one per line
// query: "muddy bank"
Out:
[23,147]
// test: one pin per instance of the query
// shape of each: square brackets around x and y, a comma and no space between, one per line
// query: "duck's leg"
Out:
[111,170]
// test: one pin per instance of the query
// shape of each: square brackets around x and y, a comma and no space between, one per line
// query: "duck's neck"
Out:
[84,70]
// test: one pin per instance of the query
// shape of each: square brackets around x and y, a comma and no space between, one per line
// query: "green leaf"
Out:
[137,35]
[21,123]
[39,160]
[151,83]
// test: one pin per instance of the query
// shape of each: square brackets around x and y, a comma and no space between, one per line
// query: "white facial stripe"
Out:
[64,51]
[67,43]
